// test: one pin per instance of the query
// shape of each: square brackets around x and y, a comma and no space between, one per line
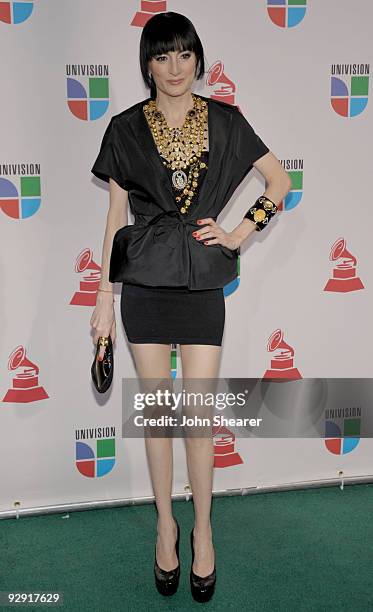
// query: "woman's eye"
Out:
[184,55]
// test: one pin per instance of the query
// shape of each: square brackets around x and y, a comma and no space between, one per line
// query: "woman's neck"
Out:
[174,108]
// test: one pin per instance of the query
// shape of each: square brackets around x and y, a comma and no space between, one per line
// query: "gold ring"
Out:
[103,340]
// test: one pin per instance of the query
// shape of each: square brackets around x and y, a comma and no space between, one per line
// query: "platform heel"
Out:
[202,588]
[167,582]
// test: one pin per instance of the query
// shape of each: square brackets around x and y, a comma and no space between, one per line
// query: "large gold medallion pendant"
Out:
[179,179]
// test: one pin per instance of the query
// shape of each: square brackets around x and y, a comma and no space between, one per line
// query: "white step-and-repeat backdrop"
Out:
[301,305]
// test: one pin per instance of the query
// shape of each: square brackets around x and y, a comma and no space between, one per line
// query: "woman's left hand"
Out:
[212,233]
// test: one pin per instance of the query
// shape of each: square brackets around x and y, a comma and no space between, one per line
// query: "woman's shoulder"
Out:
[128,113]
[231,109]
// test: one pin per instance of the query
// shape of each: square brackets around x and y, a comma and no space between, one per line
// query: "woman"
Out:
[177,158]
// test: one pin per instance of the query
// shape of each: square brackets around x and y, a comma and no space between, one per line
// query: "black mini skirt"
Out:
[172,315]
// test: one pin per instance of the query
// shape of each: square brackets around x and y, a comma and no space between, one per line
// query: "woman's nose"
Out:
[174,68]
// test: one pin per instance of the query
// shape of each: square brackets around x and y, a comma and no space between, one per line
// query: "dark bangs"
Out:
[169,32]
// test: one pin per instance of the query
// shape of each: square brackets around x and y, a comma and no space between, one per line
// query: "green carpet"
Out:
[288,551]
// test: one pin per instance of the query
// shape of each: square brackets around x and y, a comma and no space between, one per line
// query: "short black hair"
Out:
[168,32]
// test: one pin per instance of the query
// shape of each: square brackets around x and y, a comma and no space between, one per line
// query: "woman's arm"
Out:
[278,185]
[117,217]
[103,316]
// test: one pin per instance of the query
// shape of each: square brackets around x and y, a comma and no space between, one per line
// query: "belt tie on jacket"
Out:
[169,226]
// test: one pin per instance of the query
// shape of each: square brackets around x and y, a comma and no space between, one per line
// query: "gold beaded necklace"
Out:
[181,147]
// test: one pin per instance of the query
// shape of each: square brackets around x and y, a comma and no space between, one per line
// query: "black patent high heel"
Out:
[167,581]
[202,587]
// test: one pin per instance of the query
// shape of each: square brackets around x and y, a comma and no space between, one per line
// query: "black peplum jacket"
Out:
[158,248]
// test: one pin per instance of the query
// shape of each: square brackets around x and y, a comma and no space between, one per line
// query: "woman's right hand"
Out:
[103,320]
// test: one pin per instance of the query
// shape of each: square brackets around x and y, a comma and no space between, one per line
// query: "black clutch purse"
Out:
[102,371]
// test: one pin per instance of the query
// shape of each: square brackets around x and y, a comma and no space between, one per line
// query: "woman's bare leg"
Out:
[201,361]
[153,361]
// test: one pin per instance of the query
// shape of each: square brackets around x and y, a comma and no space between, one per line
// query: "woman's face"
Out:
[174,66]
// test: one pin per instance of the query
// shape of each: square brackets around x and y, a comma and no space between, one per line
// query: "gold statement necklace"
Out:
[181,147]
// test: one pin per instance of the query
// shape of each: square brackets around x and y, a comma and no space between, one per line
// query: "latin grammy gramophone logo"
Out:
[25,383]
[225,454]
[282,362]
[286,13]
[89,283]
[345,270]
[15,12]
[148,8]
[349,86]
[224,89]
[22,202]
[88,95]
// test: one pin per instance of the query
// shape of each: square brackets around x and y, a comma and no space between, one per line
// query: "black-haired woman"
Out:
[177,158]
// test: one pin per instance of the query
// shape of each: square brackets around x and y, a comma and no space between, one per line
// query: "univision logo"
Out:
[15,12]
[88,96]
[97,458]
[349,95]
[294,168]
[20,199]
[342,435]
[286,13]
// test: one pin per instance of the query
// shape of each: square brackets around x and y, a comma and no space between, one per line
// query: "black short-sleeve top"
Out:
[158,248]
[108,162]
